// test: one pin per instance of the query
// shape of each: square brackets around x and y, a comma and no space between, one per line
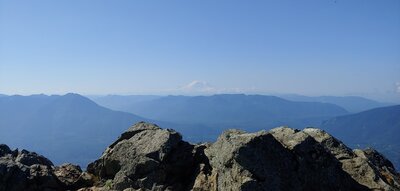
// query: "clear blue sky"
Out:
[320,47]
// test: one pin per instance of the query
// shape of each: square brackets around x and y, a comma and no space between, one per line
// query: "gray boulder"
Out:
[367,167]
[72,177]
[29,171]
[24,170]
[259,161]
[146,157]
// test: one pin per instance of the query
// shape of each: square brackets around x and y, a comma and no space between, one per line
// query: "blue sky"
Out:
[320,47]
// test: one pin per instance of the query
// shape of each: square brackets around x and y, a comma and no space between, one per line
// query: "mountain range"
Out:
[74,128]
[65,128]
[253,112]
[120,102]
[352,104]
[362,126]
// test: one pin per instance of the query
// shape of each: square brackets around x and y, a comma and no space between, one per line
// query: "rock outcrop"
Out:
[146,157]
[258,161]
[28,171]
[368,167]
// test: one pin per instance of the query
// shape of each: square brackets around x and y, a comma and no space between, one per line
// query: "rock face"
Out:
[23,170]
[146,157]
[28,171]
[72,176]
[367,167]
[258,161]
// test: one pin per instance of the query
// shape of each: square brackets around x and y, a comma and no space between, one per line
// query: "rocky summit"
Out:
[146,157]
[24,170]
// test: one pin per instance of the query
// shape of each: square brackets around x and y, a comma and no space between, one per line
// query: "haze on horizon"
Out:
[331,47]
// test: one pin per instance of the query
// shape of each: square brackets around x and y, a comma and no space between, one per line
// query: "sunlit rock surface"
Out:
[147,157]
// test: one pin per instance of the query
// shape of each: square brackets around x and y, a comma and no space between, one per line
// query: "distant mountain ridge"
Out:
[255,112]
[65,128]
[120,102]
[234,110]
[352,104]
[39,122]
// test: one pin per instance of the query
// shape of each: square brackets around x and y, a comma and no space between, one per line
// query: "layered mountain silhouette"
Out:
[75,129]
[378,128]
[72,127]
[120,102]
[352,104]
[64,128]
[253,112]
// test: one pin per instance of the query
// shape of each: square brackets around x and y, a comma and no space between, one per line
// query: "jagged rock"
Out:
[24,170]
[94,189]
[258,161]
[368,167]
[146,157]
[242,161]
[28,171]
[72,176]
[30,158]
[4,150]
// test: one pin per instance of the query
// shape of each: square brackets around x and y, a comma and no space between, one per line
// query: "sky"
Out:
[308,47]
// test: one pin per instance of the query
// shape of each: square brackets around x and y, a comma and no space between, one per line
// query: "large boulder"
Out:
[72,177]
[29,171]
[259,161]
[242,161]
[24,170]
[146,157]
[367,167]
